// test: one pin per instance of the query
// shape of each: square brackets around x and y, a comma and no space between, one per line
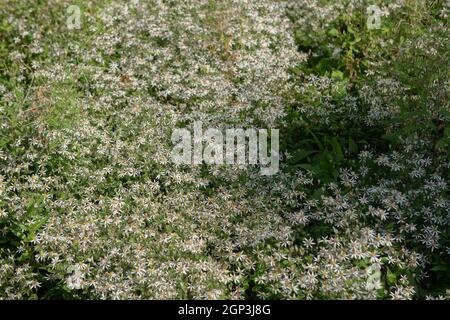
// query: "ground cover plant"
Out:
[93,207]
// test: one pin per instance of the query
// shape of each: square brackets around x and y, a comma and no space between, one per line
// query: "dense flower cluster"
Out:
[91,204]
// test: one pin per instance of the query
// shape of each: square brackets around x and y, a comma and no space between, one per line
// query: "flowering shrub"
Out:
[91,205]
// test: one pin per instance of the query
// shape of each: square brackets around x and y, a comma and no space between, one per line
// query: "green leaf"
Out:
[337,74]
[353,147]
[439,267]
[301,154]
[391,277]
[333,32]
[338,154]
